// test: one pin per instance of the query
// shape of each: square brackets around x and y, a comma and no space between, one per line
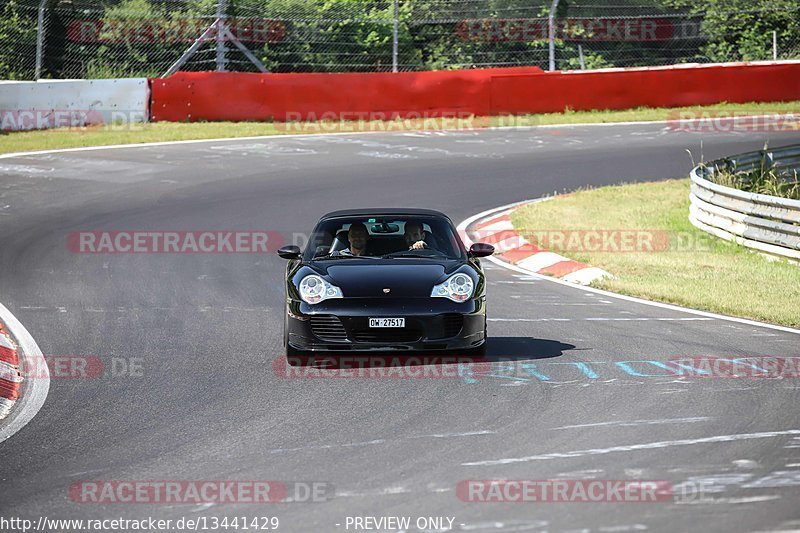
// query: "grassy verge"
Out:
[167,131]
[692,269]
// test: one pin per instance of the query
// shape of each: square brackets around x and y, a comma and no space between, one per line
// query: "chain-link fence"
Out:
[120,38]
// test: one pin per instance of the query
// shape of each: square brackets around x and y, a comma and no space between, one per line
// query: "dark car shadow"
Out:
[524,348]
[499,349]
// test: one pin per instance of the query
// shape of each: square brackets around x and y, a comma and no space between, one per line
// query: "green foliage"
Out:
[761,180]
[356,35]
[18,38]
[741,30]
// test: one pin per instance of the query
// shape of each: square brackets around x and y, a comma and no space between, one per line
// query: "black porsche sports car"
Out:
[385,279]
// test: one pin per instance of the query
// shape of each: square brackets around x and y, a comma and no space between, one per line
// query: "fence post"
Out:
[774,45]
[221,34]
[551,34]
[40,39]
[395,36]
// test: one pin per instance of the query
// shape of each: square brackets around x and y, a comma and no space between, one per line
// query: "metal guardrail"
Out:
[765,223]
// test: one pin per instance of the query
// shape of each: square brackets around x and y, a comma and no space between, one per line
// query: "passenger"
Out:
[358,236]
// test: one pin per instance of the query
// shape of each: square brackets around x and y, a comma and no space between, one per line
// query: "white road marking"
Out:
[540,303]
[24,169]
[385,155]
[599,319]
[529,319]
[581,474]
[378,492]
[635,447]
[622,528]
[382,441]
[747,499]
[633,423]
[636,319]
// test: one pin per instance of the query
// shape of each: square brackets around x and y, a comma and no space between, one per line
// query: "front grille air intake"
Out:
[328,327]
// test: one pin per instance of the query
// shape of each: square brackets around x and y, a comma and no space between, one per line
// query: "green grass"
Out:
[763,179]
[168,131]
[695,270]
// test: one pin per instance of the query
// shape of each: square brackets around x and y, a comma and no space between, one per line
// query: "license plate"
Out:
[387,322]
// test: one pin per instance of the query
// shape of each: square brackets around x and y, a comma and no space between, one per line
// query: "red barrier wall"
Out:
[196,96]
[652,87]
[240,96]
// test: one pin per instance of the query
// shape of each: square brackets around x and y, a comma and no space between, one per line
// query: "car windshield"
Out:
[384,237]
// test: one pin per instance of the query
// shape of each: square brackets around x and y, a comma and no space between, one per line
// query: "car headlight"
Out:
[314,289]
[457,287]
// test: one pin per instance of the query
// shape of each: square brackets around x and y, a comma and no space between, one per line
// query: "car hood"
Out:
[404,280]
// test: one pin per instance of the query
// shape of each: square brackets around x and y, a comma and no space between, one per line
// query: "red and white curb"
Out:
[511,247]
[20,398]
[10,376]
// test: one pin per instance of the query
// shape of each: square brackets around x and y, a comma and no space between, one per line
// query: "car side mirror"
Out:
[481,249]
[290,252]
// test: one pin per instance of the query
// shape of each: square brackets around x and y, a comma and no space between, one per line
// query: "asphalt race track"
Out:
[206,330]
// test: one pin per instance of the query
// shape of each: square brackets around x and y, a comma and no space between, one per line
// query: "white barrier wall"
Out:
[73,103]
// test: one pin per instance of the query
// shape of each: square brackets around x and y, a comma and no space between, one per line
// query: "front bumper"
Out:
[432,324]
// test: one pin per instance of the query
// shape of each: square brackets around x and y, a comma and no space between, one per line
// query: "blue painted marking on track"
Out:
[586,370]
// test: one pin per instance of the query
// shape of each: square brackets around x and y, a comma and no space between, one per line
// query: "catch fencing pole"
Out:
[221,27]
[396,36]
[551,34]
[40,33]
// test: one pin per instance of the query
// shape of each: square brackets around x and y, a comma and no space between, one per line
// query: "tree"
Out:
[741,30]
[18,35]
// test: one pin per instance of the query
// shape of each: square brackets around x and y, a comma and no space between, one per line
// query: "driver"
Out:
[415,236]
[357,235]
